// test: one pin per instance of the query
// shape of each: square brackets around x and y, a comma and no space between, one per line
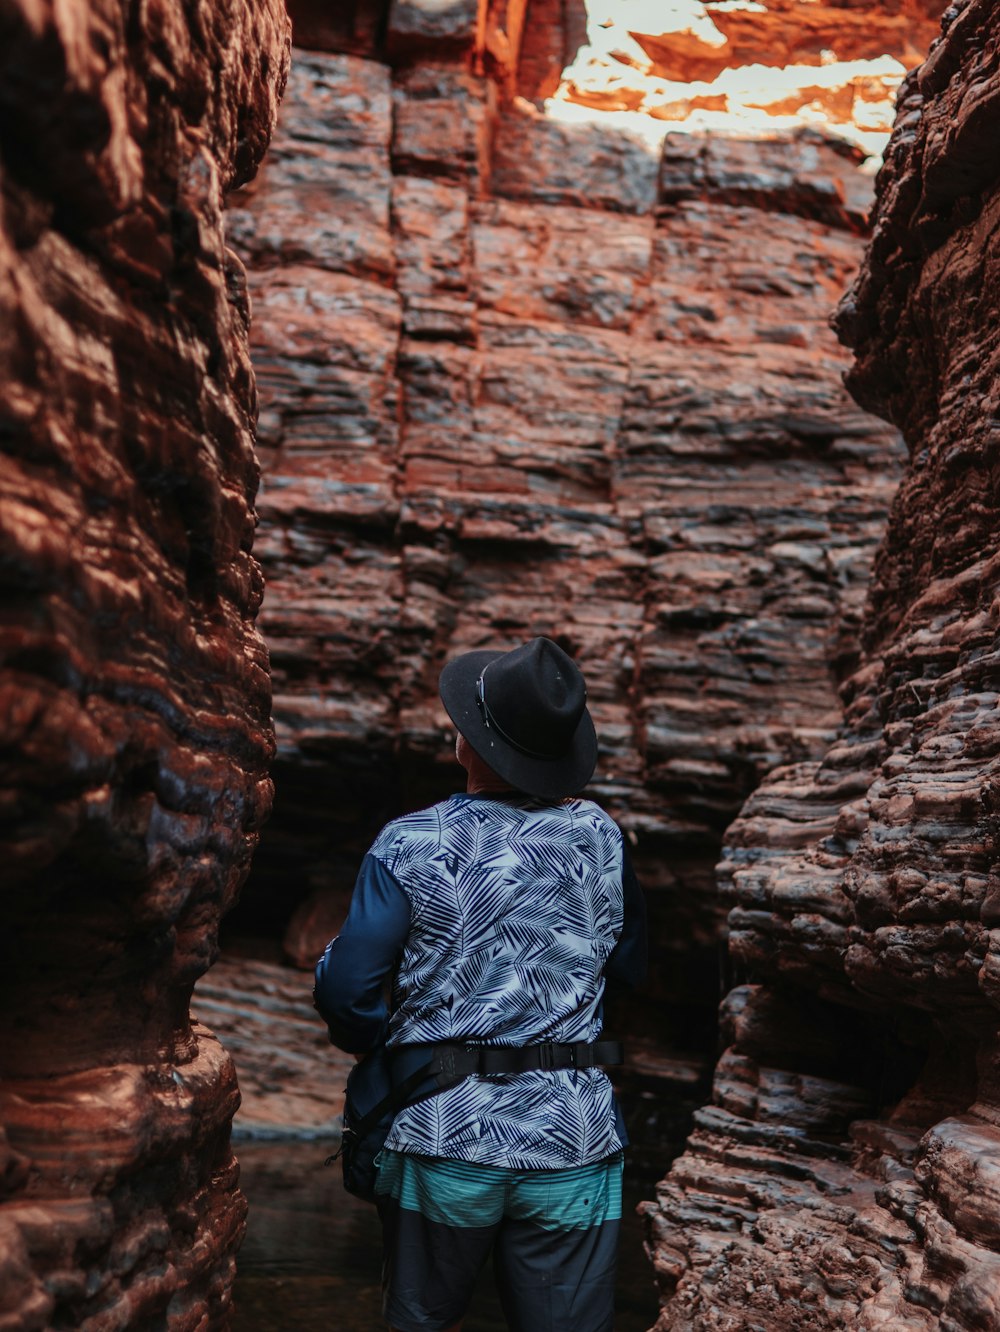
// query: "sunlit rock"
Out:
[743,67]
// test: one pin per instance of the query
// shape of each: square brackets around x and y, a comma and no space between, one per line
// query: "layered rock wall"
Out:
[524,377]
[134,694]
[820,1188]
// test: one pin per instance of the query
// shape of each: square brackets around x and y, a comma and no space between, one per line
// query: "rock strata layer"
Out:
[291,1082]
[863,887]
[134,694]
[520,377]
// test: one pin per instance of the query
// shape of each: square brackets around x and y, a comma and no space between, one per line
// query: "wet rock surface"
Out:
[864,884]
[135,694]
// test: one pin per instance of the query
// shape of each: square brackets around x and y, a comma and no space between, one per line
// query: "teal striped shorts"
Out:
[553,1235]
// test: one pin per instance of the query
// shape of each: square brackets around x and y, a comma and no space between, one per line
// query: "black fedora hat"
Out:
[525,714]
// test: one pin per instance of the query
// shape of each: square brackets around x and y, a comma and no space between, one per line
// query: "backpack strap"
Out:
[450,1061]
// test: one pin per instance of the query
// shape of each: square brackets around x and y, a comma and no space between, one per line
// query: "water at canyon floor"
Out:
[311,1257]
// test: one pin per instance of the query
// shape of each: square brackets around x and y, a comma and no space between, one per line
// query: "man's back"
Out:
[516,905]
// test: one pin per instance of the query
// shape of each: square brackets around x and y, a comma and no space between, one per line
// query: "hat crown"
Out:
[534,696]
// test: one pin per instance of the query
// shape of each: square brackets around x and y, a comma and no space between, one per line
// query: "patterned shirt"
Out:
[501,917]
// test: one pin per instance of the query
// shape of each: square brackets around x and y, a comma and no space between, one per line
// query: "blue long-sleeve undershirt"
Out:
[626,965]
[351,975]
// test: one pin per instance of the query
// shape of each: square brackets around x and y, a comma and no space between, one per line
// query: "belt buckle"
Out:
[474,1051]
[546,1056]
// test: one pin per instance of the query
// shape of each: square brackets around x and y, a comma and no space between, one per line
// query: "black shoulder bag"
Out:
[371,1103]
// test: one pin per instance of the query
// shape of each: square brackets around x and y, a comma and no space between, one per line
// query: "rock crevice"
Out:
[537,379]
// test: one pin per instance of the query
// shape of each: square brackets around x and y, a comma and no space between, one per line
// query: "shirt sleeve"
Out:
[351,974]
[627,963]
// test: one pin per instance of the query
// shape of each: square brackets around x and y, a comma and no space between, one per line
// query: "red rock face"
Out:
[517,376]
[863,888]
[135,694]
[522,377]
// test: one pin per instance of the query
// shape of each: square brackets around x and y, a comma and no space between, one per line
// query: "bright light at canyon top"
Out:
[742,67]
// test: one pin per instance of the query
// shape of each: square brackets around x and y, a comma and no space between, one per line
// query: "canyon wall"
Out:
[134,687]
[523,376]
[519,374]
[845,1173]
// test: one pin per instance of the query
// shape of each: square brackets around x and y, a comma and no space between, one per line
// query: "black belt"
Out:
[453,1060]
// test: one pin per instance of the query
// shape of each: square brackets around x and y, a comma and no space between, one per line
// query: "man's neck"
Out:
[484,786]
[480,779]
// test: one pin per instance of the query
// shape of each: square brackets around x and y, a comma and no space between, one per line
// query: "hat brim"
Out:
[549,779]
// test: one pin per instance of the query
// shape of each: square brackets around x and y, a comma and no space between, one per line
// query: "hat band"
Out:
[491,724]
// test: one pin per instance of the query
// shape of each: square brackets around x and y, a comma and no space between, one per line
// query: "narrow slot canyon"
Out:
[343,340]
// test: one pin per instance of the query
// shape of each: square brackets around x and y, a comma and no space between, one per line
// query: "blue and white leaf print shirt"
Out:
[500,916]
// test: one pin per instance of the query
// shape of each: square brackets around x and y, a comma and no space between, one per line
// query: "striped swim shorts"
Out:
[553,1235]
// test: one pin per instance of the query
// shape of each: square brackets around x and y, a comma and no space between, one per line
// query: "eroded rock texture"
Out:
[134,697]
[521,377]
[844,1175]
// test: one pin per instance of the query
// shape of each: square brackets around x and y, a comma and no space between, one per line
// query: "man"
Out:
[499,914]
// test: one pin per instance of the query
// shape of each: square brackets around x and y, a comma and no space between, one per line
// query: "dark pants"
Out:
[553,1235]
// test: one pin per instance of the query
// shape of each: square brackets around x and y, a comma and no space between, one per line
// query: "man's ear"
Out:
[463,751]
